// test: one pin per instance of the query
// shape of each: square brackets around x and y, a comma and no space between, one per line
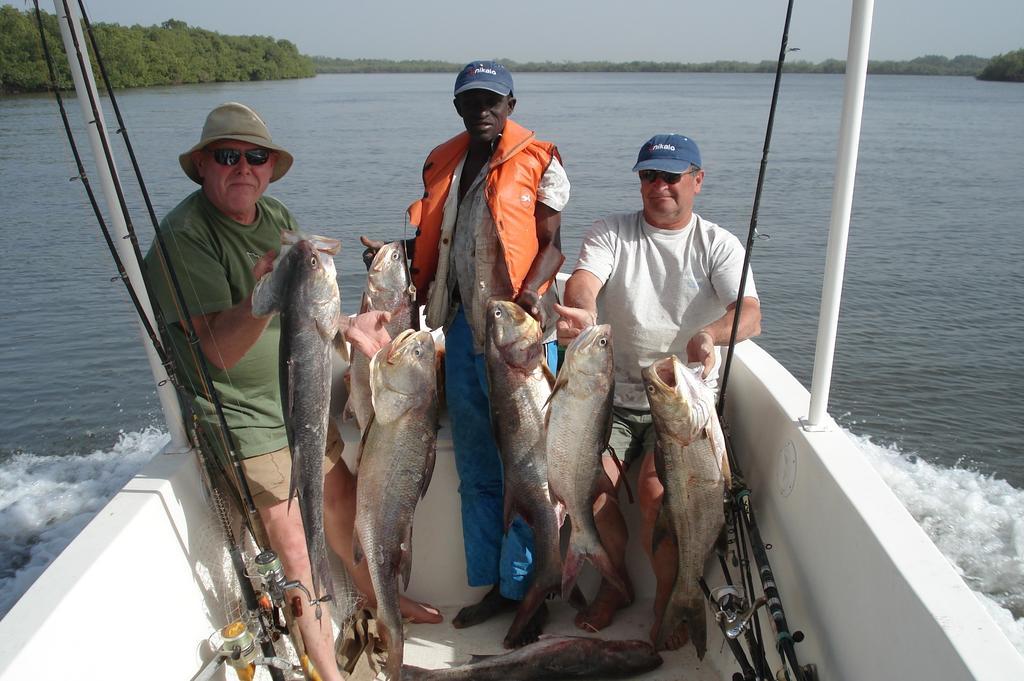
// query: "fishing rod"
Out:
[246,502]
[212,464]
[740,492]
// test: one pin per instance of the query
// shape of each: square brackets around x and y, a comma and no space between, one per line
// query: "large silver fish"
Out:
[578,426]
[519,386]
[396,463]
[692,466]
[388,289]
[552,657]
[303,288]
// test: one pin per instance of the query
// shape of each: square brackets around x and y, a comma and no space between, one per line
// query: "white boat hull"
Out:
[140,590]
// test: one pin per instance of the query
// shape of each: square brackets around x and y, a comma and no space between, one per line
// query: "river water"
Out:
[925,379]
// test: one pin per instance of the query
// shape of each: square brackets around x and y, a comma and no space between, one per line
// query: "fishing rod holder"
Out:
[733,615]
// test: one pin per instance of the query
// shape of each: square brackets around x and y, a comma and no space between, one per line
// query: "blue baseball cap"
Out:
[484,75]
[671,153]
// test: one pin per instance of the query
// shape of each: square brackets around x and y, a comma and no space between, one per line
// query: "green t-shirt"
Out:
[213,257]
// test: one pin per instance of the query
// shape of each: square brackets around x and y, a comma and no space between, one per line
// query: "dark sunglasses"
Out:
[666,177]
[230,157]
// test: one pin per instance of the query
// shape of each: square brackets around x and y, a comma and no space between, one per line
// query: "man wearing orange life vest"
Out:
[487,227]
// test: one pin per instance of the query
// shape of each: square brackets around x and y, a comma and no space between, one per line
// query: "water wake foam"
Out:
[45,501]
[977,522]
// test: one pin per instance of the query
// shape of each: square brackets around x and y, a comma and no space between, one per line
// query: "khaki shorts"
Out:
[632,434]
[269,474]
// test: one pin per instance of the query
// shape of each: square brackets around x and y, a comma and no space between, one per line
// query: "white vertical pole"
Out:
[84,85]
[842,201]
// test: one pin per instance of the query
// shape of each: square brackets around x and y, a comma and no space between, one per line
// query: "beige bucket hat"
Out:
[235,121]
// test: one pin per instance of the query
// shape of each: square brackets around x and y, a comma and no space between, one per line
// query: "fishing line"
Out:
[83,176]
[242,493]
[244,585]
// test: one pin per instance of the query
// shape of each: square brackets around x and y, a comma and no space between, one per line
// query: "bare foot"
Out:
[419,613]
[600,613]
[531,631]
[493,603]
[412,611]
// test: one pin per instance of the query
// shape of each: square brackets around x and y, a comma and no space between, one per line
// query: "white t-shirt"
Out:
[661,286]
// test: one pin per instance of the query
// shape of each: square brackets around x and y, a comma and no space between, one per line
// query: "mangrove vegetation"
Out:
[136,56]
[1006,67]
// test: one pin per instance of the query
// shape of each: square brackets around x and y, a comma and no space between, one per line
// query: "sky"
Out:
[577,30]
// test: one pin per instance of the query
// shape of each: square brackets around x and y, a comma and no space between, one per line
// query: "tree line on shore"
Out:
[136,56]
[931,65]
[175,53]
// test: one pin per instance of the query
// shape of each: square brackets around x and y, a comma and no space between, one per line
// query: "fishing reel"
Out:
[236,646]
[271,575]
[732,614]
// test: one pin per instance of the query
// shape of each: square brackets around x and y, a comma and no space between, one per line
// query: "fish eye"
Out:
[650,389]
[497,313]
[417,352]
[603,342]
[312,261]
[394,255]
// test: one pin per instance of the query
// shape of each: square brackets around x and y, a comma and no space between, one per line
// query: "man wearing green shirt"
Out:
[221,239]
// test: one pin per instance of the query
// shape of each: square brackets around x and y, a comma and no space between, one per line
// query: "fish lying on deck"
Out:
[388,289]
[579,422]
[691,464]
[303,288]
[396,463]
[552,657]
[519,386]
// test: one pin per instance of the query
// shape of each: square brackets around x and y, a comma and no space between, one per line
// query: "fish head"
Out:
[590,352]
[303,271]
[307,258]
[513,334]
[680,400]
[405,367]
[389,271]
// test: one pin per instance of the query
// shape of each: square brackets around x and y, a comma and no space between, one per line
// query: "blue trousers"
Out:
[492,555]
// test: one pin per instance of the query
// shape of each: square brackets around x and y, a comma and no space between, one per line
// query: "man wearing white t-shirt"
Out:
[666,280]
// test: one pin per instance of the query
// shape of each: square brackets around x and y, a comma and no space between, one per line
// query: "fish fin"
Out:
[266,297]
[661,529]
[357,549]
[325,244]
[428,470]
[559,382]
[341,346]
[405,560]
[364,303]
[547,372]
[362,440]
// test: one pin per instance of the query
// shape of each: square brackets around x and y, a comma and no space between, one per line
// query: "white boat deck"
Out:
[436,646]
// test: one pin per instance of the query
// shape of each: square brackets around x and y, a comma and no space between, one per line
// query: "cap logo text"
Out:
[665,147]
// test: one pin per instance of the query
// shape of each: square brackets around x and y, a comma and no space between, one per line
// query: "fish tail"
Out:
[570,570]
[693,613]
[395,639]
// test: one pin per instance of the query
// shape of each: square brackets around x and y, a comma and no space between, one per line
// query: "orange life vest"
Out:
[515,171]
